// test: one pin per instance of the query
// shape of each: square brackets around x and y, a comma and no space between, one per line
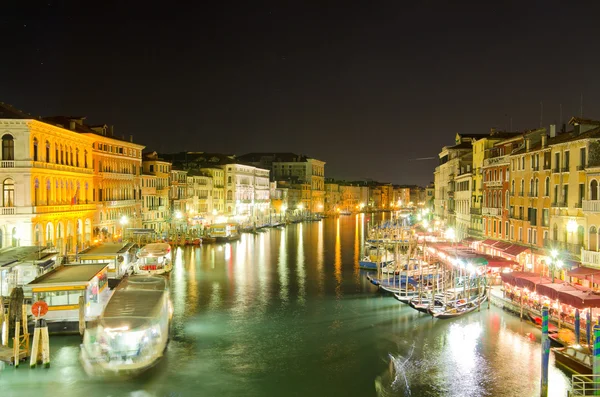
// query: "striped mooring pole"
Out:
[596,359]
[545,353]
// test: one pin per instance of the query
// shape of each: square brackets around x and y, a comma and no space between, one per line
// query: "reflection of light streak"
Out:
[192,281]
[215,297]
[338,260]
[264,257]
[462,341]
[356,250]
[320,260]
[178,280]
[240,275]
[300,271]
[282,269]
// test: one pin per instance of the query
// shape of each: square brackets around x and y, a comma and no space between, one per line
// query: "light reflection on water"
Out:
[287,312]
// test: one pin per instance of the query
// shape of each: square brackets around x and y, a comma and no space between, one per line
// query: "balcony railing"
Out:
[559,204]
[531,194]
[475,211]
[8,210]
[43,164]
[119,203]
[546,166]
[535,168]
[492,211]
[493,183]
[574,249]
[580,167]
[590,258]
[591,205]
[565,169]
[556,170]
[48,209]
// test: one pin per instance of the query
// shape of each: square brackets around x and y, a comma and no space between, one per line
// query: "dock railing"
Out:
[585,385]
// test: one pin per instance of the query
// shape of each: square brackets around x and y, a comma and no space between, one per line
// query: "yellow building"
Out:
[150,203]
[161,170]
[218,190]
[117,164]
[47,182]
[481,151]
[590,162]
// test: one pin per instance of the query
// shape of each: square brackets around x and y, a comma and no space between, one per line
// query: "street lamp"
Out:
[123,221]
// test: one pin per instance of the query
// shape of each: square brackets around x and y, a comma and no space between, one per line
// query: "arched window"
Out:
[580,233]
[594,190]
[537,187]
[507,202]
[35,149]
[8,189]
[36,193]
[62,154]
[512,190]
[71,155]
[547,187]
[229,180]
[522,185]
[229,194]
[531,190]
[85,158]
[47,152]
[593,239]
[499,199]
[8,147]
[76,157]
[56,154]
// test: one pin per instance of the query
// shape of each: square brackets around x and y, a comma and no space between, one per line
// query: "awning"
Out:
[582,271]
[580,299]
[490,242]
[515,250]
[502,245]
[553,290]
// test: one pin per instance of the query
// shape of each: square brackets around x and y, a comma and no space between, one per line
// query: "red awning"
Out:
[580,299]
[515,250]
[553,290]
[502,245]
[582,272]
[489,242]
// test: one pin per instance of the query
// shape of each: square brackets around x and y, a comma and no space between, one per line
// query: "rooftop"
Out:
[75,273]
[10,112]
[105,249]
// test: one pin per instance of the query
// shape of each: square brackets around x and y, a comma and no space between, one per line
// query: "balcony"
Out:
[581,167]
[531,194]
[493,183]
[574,249]
[51,209]
[556,170]
[492,211]
[560,204]
[565,169]
[475,211]
[590,258]
[591,205]
[495,161]
[9,210]
[42,164]
[535,168]
[119,203]
[546,166]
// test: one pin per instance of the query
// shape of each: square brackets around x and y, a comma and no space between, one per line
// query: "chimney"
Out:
[72,125]
[544,137]
[552,130]
[527,144]
[130,138]
[112,130]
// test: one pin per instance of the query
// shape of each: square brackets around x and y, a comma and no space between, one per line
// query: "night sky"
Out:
[368,88]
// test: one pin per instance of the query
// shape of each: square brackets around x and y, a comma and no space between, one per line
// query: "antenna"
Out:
[541,113]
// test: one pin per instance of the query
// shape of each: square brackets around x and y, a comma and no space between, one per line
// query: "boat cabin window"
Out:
[59,298]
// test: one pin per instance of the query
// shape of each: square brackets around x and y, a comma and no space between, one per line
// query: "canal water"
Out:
[287,312]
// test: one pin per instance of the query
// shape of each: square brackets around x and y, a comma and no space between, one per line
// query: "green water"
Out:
[288,313]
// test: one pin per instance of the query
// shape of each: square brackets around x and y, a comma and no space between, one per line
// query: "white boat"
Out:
[133,331]
[154,258]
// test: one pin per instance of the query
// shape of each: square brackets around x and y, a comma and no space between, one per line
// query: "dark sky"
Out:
[368,87]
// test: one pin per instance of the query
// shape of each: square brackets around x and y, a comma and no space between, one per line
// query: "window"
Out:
[547,187]
[8,188]
[557,162]
[567,157]
[85,158]
[582,158]
[534,233]
[556,194]
[35,149]
[528,236]
[520,234]
[594,190]
[522,186]
[507,202]
[506,228]
[512,232]
[545,217]
[566,195]
[581,194]
[8,147]
[47,152]
[56,155]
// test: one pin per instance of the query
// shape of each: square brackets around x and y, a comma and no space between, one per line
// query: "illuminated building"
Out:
[47,183]
[164,217]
